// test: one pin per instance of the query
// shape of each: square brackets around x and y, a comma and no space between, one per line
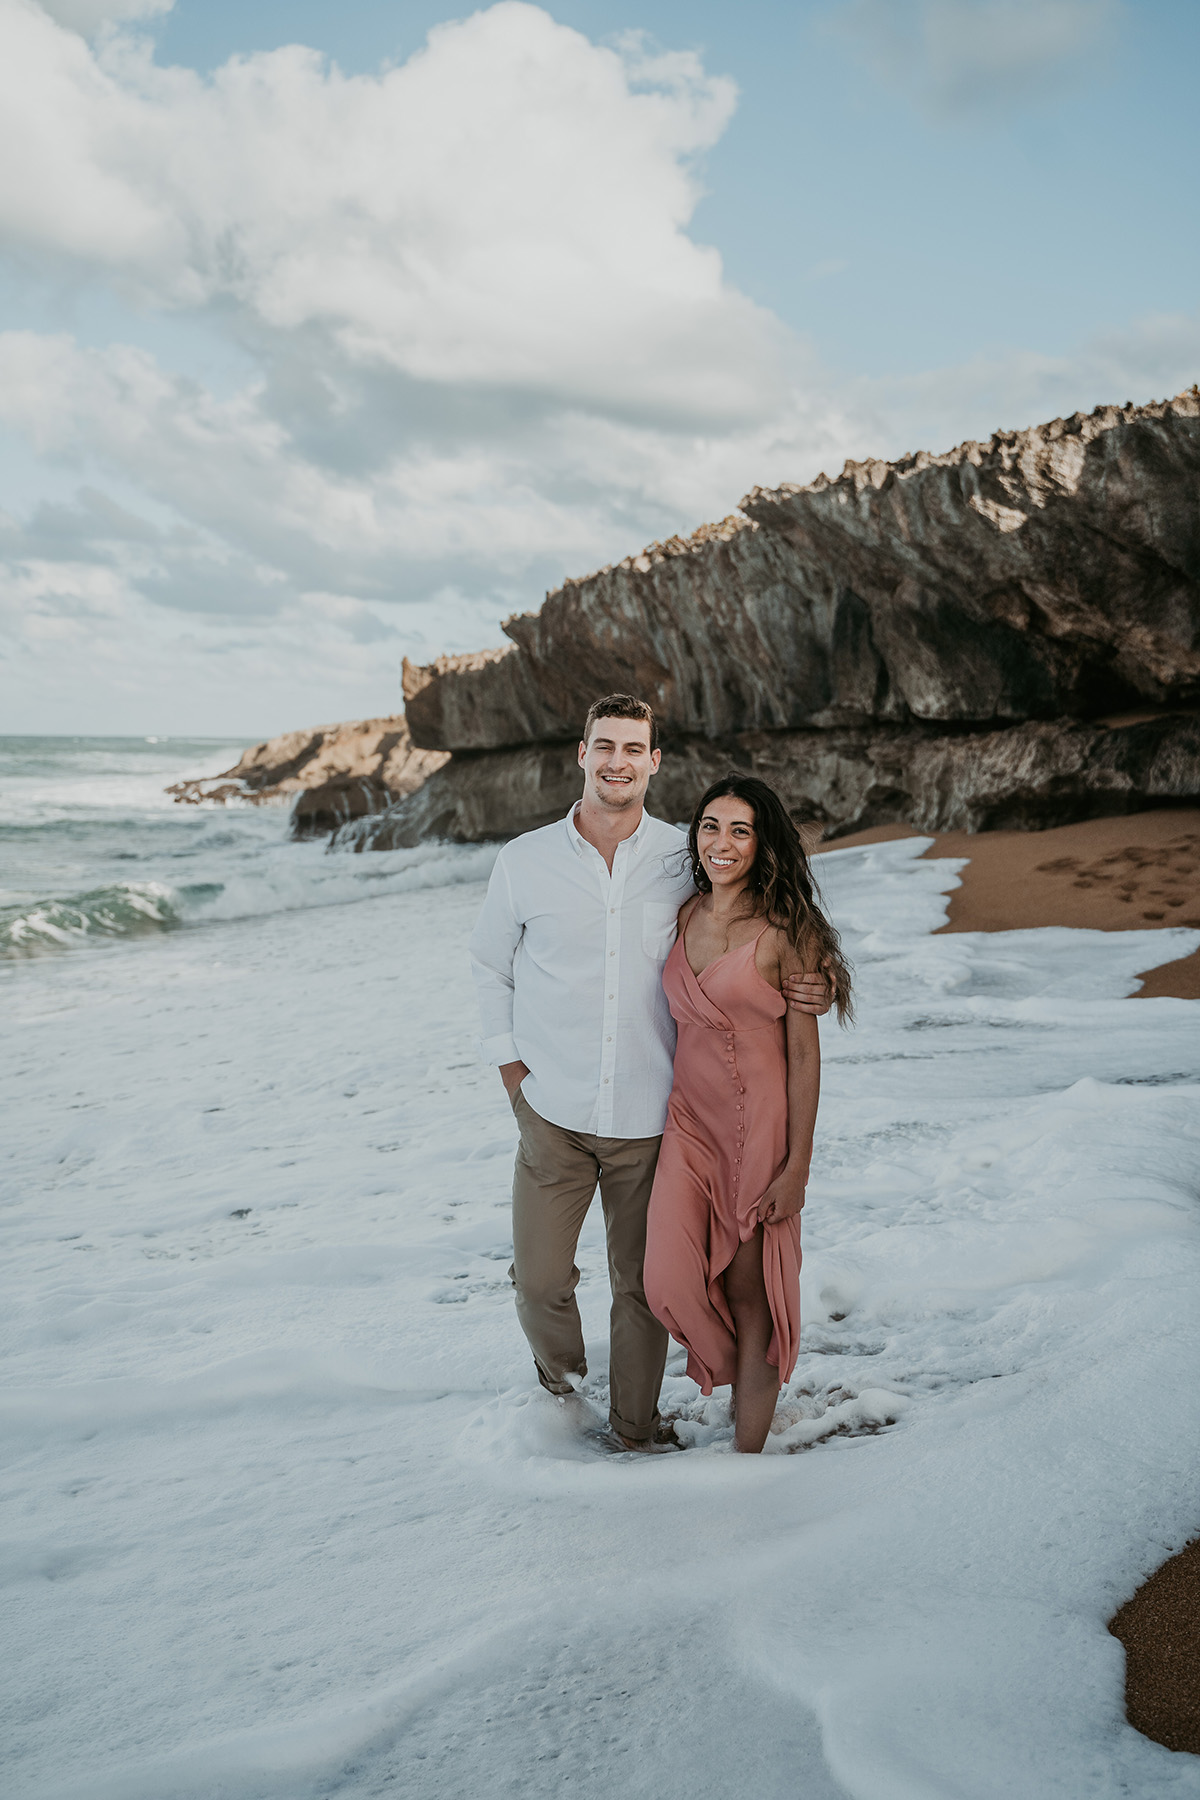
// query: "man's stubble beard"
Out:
[633,796]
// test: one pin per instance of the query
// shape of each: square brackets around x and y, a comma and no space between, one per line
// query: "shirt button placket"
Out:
[614,890]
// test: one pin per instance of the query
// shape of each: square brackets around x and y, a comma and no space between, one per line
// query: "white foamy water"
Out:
[93,849]
[284,1513]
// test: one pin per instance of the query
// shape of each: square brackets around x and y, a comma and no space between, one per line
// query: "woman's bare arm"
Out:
[811,992]
[785,1196]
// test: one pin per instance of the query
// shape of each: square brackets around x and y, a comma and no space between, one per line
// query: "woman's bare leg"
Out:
[757,1384]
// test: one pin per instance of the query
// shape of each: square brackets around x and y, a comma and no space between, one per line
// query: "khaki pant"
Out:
[553,1183]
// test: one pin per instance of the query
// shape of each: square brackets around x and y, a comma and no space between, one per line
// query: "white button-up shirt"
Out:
[568,962]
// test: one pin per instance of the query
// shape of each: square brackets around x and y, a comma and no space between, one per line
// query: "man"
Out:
[567,956]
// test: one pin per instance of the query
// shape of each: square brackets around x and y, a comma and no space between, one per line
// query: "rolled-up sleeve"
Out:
[494,944]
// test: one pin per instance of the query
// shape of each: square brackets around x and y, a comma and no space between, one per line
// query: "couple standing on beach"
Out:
[645,998]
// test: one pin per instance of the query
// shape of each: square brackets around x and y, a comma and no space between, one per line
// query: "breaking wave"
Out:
[130,909]
[93,851]
[282,878]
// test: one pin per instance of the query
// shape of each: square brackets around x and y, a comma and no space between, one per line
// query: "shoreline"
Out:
[1112,874]
[1132,872]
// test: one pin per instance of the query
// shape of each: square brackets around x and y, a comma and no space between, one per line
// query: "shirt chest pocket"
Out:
[658,928]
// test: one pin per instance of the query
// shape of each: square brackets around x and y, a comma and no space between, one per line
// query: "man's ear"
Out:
[655,759]
[582,757]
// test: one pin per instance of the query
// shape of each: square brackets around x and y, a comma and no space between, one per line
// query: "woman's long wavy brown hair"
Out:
[780,880]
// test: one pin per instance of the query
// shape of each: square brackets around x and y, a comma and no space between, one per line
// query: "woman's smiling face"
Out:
[727,842]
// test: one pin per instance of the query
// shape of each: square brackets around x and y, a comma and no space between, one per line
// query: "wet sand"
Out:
[1160,1629]
[1123,874]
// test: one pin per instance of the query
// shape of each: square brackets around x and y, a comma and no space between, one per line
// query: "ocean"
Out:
[285,1512]
[94,851]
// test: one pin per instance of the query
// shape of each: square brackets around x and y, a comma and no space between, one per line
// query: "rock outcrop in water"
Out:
[935,641]
[333,773]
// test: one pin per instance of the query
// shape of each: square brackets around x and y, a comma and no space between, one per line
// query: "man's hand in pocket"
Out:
[512,1075]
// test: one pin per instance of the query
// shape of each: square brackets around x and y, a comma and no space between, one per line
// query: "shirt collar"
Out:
[580,844]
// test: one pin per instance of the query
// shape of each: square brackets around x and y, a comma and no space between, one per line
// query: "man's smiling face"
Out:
[617,763]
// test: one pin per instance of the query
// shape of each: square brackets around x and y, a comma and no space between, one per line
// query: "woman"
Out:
[723,1242]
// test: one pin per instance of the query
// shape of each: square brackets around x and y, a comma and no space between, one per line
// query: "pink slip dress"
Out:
[726,1139]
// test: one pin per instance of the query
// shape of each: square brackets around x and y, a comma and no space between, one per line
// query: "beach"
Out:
[389,394]
[1115,874]
[286,1514]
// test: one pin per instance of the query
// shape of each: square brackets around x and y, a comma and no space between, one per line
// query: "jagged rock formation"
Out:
[1045,573]
[333,773]
[933,641]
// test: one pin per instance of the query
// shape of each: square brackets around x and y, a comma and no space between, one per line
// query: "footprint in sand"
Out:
[1158,879]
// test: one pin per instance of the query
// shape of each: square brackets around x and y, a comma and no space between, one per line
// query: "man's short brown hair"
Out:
[620,706]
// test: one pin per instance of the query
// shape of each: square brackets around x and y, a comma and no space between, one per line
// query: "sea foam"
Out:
[92,850]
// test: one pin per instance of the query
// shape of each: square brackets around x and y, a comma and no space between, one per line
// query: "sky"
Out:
[331,334]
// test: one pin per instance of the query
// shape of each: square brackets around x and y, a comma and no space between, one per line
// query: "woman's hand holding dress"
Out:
[784,1198]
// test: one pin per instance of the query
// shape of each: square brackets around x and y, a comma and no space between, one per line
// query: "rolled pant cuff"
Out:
[559,1387]
[637,1434]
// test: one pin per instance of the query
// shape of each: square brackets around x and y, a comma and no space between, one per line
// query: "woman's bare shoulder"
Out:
[792,960]
[687,909]
[770,953]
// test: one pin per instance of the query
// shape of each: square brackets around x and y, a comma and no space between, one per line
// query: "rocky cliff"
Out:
[942,640]
[1047,572]
[332,773]
[1007,634]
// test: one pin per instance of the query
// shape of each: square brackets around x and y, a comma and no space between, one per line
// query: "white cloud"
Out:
[488,352]
[82,652]
[955,57]
[485,354]
[88,16]
[1151,359]
[508,207]
[542,491]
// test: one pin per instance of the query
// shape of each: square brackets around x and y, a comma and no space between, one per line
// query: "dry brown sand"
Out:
[1124,874]
[1160,1629]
